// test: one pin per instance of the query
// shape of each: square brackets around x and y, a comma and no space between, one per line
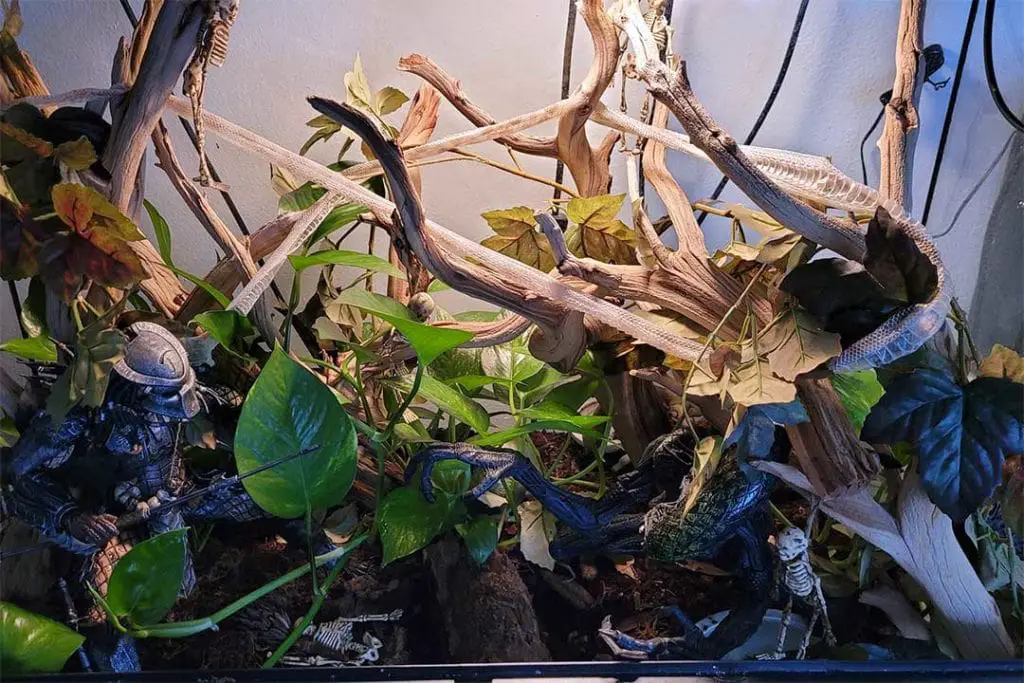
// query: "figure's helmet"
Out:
[157,364]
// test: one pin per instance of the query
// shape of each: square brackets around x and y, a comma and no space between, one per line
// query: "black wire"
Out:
[947,123]
[990,71]
[793,36]
[570,36]
[126,6]
[190,131]
[867,136]
[16,300]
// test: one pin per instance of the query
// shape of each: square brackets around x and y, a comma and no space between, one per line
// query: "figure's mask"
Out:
[155,362]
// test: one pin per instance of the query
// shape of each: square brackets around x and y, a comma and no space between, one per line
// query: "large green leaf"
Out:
[41,349]
[343,257]
[145,582]
[859,392]
[408,522]
[961,434]
[428,341]
[33,309]
[289,410]
[450,400]
[32,644]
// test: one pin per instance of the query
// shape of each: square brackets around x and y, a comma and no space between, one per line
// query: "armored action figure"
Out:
[71,480]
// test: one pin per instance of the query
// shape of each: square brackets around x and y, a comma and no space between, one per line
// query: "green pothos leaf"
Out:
[289,410]
[40,349]
[859,392]
[32,643]
[408,522]
[146,581]
[8,432]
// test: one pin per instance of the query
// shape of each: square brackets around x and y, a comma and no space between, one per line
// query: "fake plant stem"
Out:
[779,515]
[182,629]
[382,445]
[309,547]
[77,315]
[293,301]
[311,613]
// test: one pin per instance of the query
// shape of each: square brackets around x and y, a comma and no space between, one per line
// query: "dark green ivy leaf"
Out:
[961,434]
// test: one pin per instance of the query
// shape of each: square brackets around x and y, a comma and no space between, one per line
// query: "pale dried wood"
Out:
[589,166]
[922,542]
[21,74]
[899,135]
[429,71]
[168,49]
[673,88]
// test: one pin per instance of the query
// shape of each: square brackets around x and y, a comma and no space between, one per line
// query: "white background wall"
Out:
[508,58]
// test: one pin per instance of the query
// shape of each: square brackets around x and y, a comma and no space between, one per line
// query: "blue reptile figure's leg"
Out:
[750,556]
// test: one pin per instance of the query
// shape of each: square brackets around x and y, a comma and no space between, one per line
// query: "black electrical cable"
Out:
[190,131]
[793,36]
[990,71]
[947,123]
[570,37]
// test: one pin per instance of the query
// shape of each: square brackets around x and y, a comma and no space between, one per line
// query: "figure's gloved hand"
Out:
[93,528]
[146,507]
[127,493]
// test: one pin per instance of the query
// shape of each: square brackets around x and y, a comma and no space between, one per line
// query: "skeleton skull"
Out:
[792,543]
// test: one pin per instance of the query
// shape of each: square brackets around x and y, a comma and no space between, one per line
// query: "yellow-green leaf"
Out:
[77,155]
[389,99]
[517,237]
[92,216]
[601,235]
[357,87]
[1003,362]
[282,180]
[798,344]
[706,456]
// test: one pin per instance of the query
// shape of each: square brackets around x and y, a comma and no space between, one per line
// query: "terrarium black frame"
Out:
[813,428]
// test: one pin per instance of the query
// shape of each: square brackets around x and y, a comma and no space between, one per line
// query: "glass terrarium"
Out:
[683,341]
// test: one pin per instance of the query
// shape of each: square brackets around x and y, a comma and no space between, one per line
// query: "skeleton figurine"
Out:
[803,583]
[211,50]
[334,639]
[71,480]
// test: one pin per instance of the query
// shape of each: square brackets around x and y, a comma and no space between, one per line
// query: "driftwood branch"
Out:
[899,136]
[449,87]
[827,445]
[199,205]
[168,48]
[562,339]
[673,88]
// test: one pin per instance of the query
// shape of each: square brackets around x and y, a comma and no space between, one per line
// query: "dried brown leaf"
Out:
[518,238]
[798,344]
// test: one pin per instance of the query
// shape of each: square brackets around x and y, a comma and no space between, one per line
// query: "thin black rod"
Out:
[570,36]
[793,37]
[990,71]
[961,61]
[16,300]
[127,7]
[867,136]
